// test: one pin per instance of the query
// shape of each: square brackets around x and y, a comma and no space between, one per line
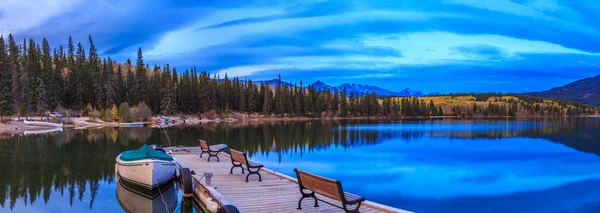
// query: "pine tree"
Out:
[57,78]
[242,98]
[110,85]
[336,101]
[251,97]
[168,94]
[155,96]
[100,86]
[301,100]
[130,84]
[288,100]
[48,74]
[343,103]
[278,97]
[15,69]
[95,78]
[29,77]
[80,90]
[297,101]
[141,77]
[175,92]
[268,100]
[121,86]
[41,99]
[70,81]
[6,101]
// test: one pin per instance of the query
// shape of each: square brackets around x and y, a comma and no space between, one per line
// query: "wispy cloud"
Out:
[181,40]
[243,71]
[18,15]
[374,75]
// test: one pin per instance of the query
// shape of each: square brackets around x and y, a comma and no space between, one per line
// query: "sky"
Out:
[432,46]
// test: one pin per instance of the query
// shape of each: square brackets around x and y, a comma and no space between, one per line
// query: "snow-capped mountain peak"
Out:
[356,89]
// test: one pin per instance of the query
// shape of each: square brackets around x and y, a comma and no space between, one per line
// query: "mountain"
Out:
[586,91]
[273,83]
[361,89]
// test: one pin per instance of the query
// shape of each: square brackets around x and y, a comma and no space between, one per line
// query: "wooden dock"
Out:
[276,193]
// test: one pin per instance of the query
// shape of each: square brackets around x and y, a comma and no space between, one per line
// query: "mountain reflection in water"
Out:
[74,169]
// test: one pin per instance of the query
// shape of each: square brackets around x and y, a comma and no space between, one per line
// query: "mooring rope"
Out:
[161,195]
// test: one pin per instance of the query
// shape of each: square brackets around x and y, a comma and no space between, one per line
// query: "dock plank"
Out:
[276,193]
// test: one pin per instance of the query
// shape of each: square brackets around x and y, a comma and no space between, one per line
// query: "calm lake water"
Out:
[417,165]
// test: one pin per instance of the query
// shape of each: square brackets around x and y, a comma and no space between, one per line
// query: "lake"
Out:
[437,165]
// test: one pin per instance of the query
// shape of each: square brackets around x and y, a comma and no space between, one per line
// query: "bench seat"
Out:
[213,151]
[328,188]
[238,159]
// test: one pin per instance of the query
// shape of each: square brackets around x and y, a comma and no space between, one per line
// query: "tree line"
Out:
[37,78]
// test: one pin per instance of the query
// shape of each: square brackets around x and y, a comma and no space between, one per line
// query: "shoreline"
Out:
[18,127]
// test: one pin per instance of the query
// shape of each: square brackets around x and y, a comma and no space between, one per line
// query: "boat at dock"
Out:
[161,120]
[35,132]
[41,123]
[146,170]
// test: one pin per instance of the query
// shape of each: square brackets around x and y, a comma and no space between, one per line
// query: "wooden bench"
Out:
[242,159]
[328,188]
[213,151]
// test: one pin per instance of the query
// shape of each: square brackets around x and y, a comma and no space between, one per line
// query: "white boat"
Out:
[132,201]
[41,123]
[35,132]
[147,170]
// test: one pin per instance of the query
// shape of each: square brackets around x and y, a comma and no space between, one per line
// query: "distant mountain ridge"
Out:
[359,89]
[586,91]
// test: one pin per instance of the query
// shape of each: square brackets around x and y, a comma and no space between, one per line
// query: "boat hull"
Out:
[41,123]
[146,176]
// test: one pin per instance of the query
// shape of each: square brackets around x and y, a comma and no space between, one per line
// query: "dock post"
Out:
[207,178]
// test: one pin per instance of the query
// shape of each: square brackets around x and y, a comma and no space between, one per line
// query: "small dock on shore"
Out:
[276,193]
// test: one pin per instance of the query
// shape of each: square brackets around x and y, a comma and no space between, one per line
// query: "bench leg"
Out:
[311,195]
[250,172]
[259,177]
[258,173]
[210,155]
[231,171]
[355,210]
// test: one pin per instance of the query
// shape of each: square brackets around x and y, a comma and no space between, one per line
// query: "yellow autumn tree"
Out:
[114,111]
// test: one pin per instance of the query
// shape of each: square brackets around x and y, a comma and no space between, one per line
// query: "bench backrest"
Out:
[203,144]
[238,156]
[324,186]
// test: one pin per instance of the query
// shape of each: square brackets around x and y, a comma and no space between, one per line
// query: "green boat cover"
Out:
[144,152]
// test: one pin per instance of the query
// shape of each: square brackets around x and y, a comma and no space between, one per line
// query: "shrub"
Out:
[94,115]
[133,114]
[88,109]
[124,114]
[106,115]
[141,112]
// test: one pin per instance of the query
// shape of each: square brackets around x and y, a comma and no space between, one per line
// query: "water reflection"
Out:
[75,167]
[131,201]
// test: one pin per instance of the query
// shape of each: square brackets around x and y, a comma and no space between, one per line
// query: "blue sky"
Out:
[432,46]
